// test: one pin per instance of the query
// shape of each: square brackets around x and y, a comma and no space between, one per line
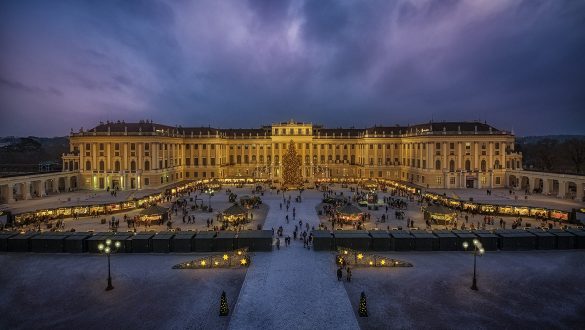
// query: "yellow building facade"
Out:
[147,155]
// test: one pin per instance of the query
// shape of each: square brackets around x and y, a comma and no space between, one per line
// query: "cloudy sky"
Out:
[68,64]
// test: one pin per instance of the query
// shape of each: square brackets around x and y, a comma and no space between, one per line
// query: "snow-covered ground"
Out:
[517,290]
[293,288]
[57,291]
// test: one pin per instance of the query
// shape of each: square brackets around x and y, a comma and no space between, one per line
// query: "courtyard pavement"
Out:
[292,288]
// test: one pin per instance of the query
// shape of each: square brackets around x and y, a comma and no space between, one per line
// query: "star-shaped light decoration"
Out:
[225,257]
[202,262]
[360,256]
[383,262]
[243,262]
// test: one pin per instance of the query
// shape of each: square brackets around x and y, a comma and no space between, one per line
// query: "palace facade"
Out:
[148,155]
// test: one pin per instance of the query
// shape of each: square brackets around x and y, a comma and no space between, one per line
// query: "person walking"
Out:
[339,274]
[348,274]
[278,243]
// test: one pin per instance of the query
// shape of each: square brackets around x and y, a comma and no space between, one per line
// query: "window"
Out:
[88,165]
[147,165]
[102,165]
[116,146]
[497,164]
[468,165]
[132,146]
[483,165]
[439,180]
[437,164]
[133,166]
[117,166]
[451,165]
[497,180]
[452,180]
[146,181]
[437,146]
[101,146]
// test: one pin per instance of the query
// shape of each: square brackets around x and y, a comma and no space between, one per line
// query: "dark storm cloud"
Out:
[516,64]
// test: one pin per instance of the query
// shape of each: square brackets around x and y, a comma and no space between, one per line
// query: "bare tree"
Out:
[576,152]
[545,150]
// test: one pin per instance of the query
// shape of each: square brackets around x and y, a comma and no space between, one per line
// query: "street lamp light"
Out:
[477,250]
[210,192]
[107,249]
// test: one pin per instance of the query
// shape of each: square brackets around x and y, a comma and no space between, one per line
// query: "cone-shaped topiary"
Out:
[224,309]
[363,309]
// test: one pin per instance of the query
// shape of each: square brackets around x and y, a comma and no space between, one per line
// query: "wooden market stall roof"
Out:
[235,210]
[154,210]
[438,209]
[350,209]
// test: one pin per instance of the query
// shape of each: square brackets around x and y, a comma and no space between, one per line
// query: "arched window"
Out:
[146,165]
[468,165]
[483,165]
[88,165]
[132,166]
[117,166]
[497,164]
[452,166]
[437,164]
[102,165]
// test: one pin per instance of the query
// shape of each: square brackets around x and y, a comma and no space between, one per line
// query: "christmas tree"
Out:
[291,173]
[363,309]
[224,309]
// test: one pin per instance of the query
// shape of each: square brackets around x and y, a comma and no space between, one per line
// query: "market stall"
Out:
[154,214]
[350,213]
[250,201]
[235,213]
[439,214]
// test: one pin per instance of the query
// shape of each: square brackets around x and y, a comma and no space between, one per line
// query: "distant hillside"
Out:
[558,138]
[23,154]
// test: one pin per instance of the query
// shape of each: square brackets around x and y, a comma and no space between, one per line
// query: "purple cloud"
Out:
[516,64]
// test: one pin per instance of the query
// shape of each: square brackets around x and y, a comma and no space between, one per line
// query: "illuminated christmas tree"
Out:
[224,309]
[291,173]
[363,309]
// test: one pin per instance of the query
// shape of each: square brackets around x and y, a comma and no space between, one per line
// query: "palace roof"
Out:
[318,130]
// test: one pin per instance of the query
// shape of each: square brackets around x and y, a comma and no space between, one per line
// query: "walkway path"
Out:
[292,288]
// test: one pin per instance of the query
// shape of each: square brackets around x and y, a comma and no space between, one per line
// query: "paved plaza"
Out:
[292,287]
[219,202]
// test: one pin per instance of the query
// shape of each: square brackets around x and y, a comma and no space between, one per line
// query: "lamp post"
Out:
[210,192]
[477,249]
[107,249]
